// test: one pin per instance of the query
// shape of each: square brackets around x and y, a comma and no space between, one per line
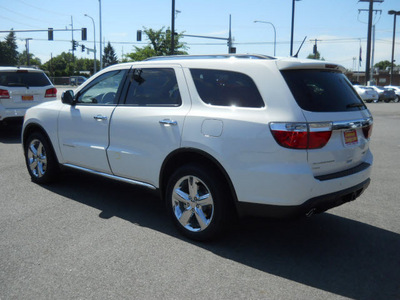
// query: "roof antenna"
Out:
[297,53]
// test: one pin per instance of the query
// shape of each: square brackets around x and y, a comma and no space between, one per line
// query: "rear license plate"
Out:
[350,137]
[27,98]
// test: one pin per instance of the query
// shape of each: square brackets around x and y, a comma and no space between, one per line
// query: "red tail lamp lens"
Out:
[4,94]
[367,130]
[301,135]
[51,93]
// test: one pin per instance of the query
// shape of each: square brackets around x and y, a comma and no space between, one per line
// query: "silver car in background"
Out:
[367,94]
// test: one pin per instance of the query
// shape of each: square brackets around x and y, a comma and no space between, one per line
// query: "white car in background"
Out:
[367,94]
[22,88]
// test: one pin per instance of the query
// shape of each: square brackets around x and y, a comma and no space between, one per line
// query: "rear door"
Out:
[148,125]
[329,102]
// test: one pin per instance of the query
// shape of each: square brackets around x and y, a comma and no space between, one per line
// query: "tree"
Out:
[63,65]
[23,59]
[159,45]
[109,57]
[383,65]
[315,56]
[8,50]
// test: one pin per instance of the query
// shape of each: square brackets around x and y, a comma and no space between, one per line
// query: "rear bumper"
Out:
[314,205]
[6,113]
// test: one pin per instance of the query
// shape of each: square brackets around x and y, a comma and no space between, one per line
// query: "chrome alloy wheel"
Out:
[37,160]
[192,203]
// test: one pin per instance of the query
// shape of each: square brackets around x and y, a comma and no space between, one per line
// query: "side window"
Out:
[103,89]
[153,87]
[226,88]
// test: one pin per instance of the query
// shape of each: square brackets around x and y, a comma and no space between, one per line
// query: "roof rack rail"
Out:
[211,56]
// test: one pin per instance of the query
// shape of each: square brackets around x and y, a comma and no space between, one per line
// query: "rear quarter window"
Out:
[23,79]
[322,91]
[226,88]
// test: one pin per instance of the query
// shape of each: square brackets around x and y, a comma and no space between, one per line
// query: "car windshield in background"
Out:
[23,78]
[322,91]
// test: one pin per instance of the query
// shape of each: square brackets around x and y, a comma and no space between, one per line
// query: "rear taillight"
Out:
[367,130]
[4,94]
[301,135]
[51,93]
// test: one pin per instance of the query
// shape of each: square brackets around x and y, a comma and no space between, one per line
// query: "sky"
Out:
[340,26]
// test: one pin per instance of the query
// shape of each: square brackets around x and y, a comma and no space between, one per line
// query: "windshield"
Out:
[27,79]
[322,91]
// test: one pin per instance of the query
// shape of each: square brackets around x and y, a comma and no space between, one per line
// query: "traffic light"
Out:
[83,48]
[74,45]
[84,34]
[139,35]
[50,34]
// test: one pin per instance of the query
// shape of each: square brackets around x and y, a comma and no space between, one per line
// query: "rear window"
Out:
[226,88]
[322,91]
[23,79]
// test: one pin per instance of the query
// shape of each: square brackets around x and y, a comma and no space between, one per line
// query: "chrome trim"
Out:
[353,124]
[131,181]
[168,122]
[100,118]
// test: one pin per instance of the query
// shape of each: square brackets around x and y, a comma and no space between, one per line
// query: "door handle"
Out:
[168,122]
[100,118]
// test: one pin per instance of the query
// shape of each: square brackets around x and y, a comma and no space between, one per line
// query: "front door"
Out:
[83,128]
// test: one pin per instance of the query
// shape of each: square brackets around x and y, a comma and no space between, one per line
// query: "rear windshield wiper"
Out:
[355,105]
[18,84]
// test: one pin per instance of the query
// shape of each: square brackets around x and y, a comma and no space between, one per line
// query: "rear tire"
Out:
[40,159]
[198,202]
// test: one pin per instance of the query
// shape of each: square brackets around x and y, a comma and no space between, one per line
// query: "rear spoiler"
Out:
[306,64]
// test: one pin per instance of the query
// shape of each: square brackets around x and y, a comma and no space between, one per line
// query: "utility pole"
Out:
[173,28]
[394,13]
[368,60]
[73,45]
[315,49]
[27,50]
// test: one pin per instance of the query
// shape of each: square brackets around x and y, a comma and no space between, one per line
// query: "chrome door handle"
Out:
[100,118]
[168,122]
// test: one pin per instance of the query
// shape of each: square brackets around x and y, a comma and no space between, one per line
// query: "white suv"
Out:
[22,88]
[217,136]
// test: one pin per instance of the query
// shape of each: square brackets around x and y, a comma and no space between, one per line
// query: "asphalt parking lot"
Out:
[86,237]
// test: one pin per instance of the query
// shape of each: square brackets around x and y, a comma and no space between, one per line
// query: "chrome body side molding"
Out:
[130,181]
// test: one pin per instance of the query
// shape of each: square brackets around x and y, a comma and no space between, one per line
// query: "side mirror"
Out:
[68,97]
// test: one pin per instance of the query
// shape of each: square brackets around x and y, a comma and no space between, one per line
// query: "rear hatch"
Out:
[337,118]
[25,88]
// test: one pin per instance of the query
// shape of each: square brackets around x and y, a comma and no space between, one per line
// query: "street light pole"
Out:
[394,13]
[173,28]
[94,44]
[101,48]
[274,33]
[292,31]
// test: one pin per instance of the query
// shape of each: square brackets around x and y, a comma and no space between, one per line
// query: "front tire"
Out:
[198,202]
[40,159]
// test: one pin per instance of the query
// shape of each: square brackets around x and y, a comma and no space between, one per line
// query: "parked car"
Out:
[396,90]
[216,136]
[22,88]
[367,94]
[77,80]
[385,95]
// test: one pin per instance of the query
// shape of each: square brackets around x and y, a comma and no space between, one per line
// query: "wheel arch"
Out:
[184,156]
[34,127]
